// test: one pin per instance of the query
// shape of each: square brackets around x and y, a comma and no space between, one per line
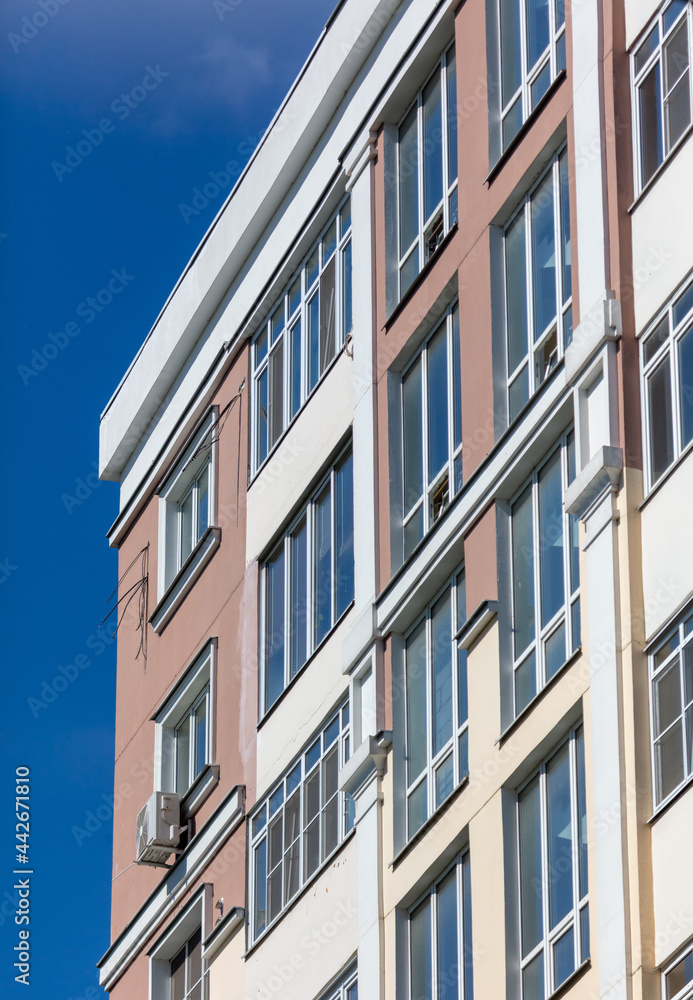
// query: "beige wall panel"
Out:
[673,877]
[638,13]
[226,970]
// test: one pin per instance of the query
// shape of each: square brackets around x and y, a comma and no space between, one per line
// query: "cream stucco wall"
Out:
[673,877]
[226,969]
[638,13]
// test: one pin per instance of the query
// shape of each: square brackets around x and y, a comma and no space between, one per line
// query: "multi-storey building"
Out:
[404,471]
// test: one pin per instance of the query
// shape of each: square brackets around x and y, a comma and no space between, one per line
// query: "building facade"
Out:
[406,709]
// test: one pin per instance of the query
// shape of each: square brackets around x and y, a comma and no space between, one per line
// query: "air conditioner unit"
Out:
[158,829]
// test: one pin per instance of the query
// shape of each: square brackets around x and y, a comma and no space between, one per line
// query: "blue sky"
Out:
[113,114]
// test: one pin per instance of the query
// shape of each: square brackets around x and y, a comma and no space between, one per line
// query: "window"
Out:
[552,846]
[305,331]
[300,824]
[671,710]
[678,978]
[545,575]
[308,580]
[184,730]
[662,87]
[436,706]
[538,287]
[440,938]
[347,990]
[427,170]
[666,357]
[532,54]
[186,970]
[432,430]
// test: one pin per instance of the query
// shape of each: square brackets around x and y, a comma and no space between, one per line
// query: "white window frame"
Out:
[530,74]
[452,472]
[573,919]
[196,915]
[196,685]
[682,637]
[344,989]
[457,745]
[306,515]
[464,965]
[687,992]
[296,777]
[199,454]
[447,210]
[637,79]
[562,323]
[669,350]
[282,342]
[564,615]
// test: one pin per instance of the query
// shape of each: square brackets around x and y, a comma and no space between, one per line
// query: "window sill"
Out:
[184,579]
[431,821]
[519,719]
[673,797]
[299,672]
[420,278]
[660,169]
[301,892]
[200,790]
[477,623]
[524,128]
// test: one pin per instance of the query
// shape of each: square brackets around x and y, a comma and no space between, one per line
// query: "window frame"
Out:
[573,919]
[452,471]
[197,915]
[564,615]
[455,587]
[530,75]
[687,992]
[343,988]
[298,316]
[461,866]
[262,818]
[450,215]
[562,322]
[307,517]
[668,350]
[682,633]
[654,60]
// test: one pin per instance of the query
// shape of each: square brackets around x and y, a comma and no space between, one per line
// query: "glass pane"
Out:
[582,812]
[186,527]
[313,755]
[516,283]
[681,975]
[568,327]
[413,453]
[533,979]
[329,242]
[555,651]
[417,808]
[312,267]
[275,837]
[462,710]
[448,968]
[445,780]
[677,110]
[672,12]
[518,394]
[561,62]
[421,958]
[311,848]
[259,821]
[276,364]
[683,305]
[195,958]
[564,958]
[276,800]
[525,682]
[661,421]
[646,49]
[408,182]
[530,867]
[330,819]
[416,702]
[667,698]
[295,374]
[292,819]
[260,886]
[686,386]
[200,736]
[467,953]
[574,552]
[560,12]
[565,227]
[313,342]
[274,893]
[413,532]
[274,640]
[295,296]
[408,271]
[511,57]
[453,212]
[584,933]
[541,84]
[688,672]
[178,976]
[512,122]
[433,146]
[452,116]
[456,378]
[344,535]
[461,584]
[347,320]
[675,56]
[262,418]
[551,539]
[183,756]
[327,316]
[291,870]
[575,621]
[437,402]
[523,571]
[261,345]
[203,503]
[464,754]
[560,838]
[293,779]
[649,94]
[299,598]
[346,216]
[543,256]
[669,761]
[277,323]
[537,29]
[441,671]
[322,598]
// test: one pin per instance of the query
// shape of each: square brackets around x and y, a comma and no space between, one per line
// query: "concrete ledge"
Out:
[603,471]
[477,623]
[216,940]
[184,579]
[602,323]
[361,636]
[368,758]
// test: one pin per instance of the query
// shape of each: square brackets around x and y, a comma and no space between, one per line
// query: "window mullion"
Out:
[287,608]
[451,405]
[443,74]
[524,68]
[333,552]
[544,812]
[434,942]
[567,554]
[529,291]
[575,847]
[536,548]
[420,173]
[424,436]
[558,246]
[429,712]
[310,568]
[677,416]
